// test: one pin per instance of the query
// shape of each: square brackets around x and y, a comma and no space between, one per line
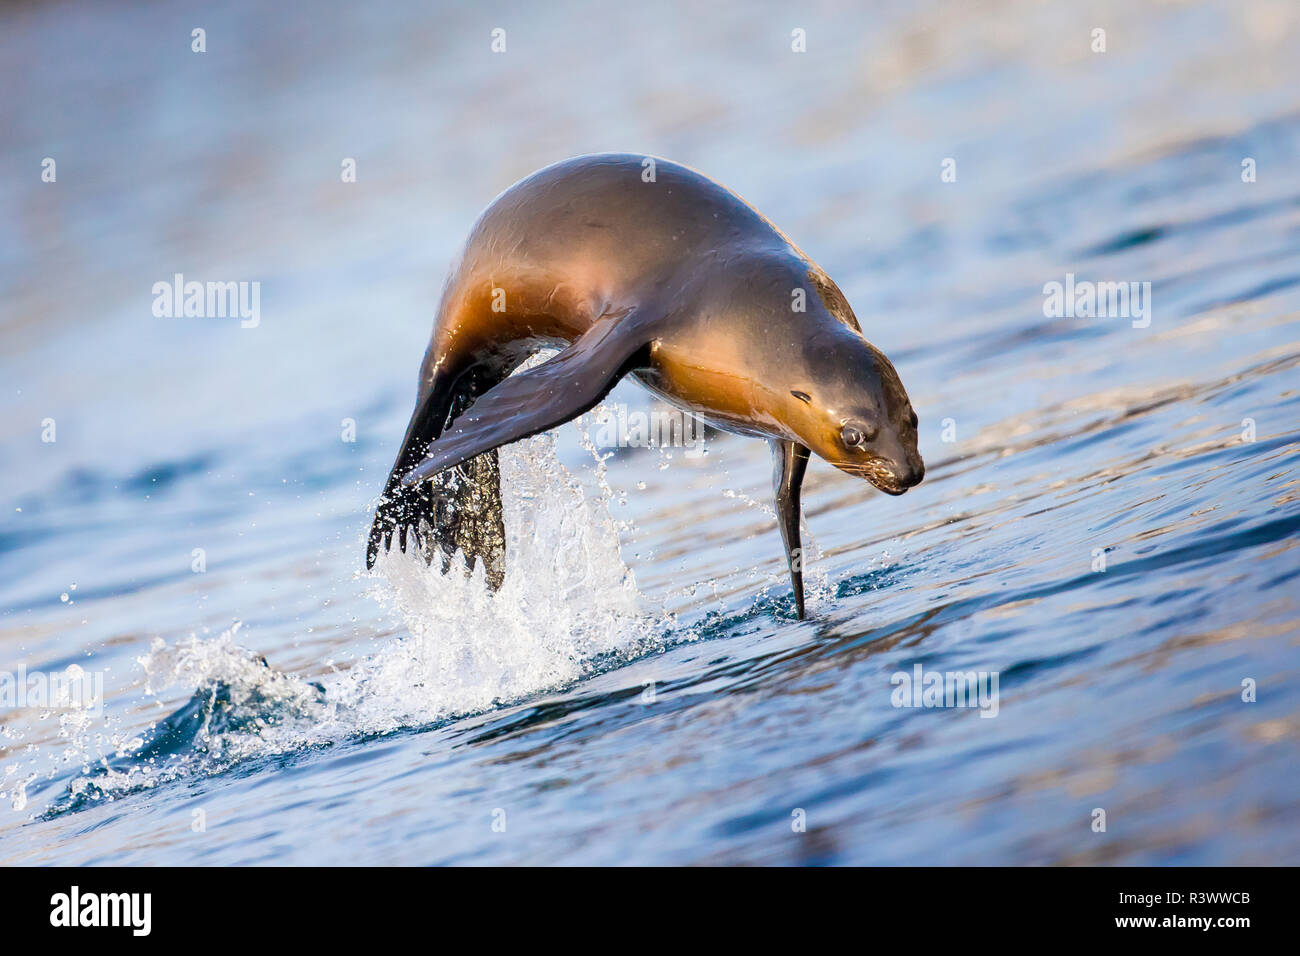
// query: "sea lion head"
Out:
[849,406]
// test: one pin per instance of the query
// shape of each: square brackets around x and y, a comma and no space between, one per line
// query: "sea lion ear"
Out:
[554,392]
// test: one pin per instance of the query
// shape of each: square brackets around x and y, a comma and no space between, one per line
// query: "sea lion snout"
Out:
[909,469]
[905,476]
[891,476]
[901,467]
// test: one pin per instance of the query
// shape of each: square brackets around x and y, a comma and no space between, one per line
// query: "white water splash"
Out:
[568,601]
[569,607]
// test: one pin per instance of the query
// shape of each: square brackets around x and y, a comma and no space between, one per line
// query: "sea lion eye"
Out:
[914,420]
[802,396]
[857,434]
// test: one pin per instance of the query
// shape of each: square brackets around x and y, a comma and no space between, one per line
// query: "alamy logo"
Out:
[103,909]
[923,688]
[69,689]
[208,300]
[617,427]
[1098,300]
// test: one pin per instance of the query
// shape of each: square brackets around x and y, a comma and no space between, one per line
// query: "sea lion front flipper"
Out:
[554,392]
[789,462]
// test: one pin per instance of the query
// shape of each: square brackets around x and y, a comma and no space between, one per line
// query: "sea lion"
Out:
[635,266]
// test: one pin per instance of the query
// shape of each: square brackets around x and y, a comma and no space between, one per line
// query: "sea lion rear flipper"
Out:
[398,508]
[461,509]
[554,392]
[789,462]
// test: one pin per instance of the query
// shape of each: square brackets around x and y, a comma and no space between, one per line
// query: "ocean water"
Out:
[1108,522]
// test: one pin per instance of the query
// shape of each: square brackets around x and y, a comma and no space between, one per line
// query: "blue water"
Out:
[1100,525]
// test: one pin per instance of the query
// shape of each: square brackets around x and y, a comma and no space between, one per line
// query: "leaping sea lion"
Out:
[671,278]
